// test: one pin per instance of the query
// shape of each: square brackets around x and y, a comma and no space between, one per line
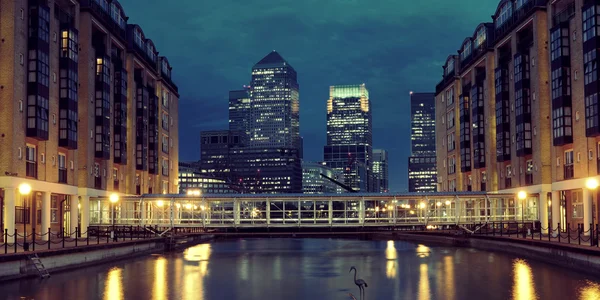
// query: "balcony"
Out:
[62,175]
[518,17]
[569,171]
[95,9]
[529,179]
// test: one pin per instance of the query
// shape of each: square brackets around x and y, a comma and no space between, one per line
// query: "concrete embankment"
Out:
[19,265]
[581,258]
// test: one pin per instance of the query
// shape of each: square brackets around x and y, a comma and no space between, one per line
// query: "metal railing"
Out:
[24,242]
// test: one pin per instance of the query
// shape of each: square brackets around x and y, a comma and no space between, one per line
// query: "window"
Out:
[68,89]
[451,142]
[137,38]
[62,168]
[502,115]
[481,37]
[450,66]
[165,144]
[102,112]
[466,52]
[450,97]
[529,173]
[115,179]
[31,161]
[590,23]
[590,67]
[115,14]
[577,200]
[165,167]
[53,210]
[520,3]
[450,119]
[568,168]
[451,165]
[165,98]
[165,121]
[505,14]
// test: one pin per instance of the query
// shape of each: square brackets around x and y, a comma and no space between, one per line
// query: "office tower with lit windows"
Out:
[349,135]
[380,170]
[89,108]
[239,110]
[421,164]
[271,161]
[314,183]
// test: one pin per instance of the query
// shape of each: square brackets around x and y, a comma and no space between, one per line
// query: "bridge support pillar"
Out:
[361,211]
[330,212]
[268,212]
[236,212]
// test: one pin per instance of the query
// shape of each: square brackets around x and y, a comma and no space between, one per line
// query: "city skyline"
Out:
[212,59]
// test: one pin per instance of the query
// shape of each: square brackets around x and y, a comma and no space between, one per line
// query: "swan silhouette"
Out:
[360,283]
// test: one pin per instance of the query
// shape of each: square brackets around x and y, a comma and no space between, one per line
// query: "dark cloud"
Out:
[392,46]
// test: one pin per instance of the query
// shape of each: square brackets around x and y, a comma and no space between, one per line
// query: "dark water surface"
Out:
[294,269]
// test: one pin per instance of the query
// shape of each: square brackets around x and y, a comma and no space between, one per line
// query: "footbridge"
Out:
[214,211]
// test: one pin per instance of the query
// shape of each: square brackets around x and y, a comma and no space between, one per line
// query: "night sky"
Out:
[394,46]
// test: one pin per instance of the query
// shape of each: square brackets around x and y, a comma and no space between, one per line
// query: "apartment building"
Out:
[519,109]
[88,109]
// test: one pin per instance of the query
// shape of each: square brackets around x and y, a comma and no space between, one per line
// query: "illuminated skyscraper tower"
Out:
[349,135]
[422,174]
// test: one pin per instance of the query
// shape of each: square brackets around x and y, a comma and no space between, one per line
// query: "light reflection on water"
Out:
[294,269]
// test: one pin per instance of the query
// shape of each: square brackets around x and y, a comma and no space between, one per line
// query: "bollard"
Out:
[5,241]
[76,236]
[63,237]
[49,238]
[15,243]
[33,239]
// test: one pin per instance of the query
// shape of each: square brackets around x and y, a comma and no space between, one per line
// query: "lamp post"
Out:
[114,198]
[24,190]
[522,195]
[591,184]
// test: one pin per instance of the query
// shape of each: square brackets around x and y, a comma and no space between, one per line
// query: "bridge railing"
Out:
[338,210]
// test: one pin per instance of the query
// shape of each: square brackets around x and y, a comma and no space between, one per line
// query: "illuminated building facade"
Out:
[275,104]
[380,170]
[215,151]
[89,108]
[522,98]
[421,164]
[314,183]
[191,179]
[349,135]
[271,163]
[239,110]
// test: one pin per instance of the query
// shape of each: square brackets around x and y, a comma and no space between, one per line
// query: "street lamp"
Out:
[24,190]
[114,198]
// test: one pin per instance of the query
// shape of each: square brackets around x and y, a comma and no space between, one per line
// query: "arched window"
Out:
[137,37]
[450,66]
[481,37]
[466,51]
[505,14]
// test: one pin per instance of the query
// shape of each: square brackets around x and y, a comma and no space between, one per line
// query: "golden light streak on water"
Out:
[424,291]
[113,290]
[449,278]
[159,288]
[523,288]
[590,292]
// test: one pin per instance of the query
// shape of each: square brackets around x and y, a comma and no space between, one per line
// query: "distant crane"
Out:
[360,283]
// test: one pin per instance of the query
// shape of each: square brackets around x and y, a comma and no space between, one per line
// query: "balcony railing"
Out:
[31,169]
[569,172]
[62,175]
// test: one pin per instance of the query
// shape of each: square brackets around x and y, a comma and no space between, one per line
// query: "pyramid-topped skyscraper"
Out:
[270,160]
[275,113]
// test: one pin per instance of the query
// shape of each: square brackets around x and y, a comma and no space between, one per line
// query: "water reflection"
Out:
[424,292]
[449,277]
[590,292]
[390,251]
[390,269]
[391,254]
[159,288]
[423,251]
[113,289]
[523,288]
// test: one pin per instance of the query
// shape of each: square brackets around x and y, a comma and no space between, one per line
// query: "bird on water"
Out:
[360,283]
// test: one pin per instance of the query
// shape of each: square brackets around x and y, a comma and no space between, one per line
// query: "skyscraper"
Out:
[239,110]
[380,170]
[275,108]
[349,135]
[314,183]
[270,163]
[422,174]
